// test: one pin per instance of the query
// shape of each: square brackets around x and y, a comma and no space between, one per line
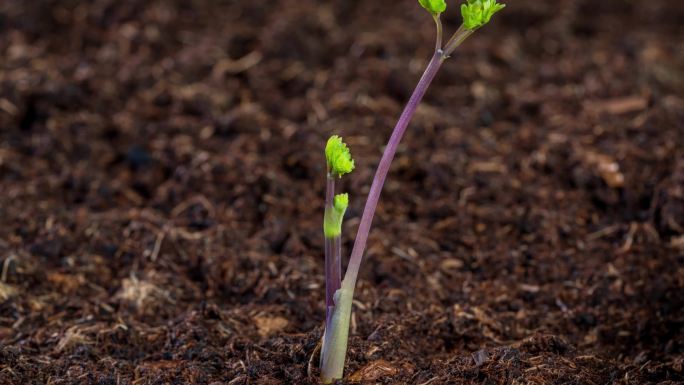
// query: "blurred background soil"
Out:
[162,176]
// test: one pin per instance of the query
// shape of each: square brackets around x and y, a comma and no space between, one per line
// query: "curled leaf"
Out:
[338,156]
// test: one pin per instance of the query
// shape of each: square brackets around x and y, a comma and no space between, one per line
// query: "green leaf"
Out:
[477,13]
[332,219]
[435,7]
[338,156]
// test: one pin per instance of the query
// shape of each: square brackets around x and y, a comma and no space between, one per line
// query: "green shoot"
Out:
[338,156]
[332,222]
[477,13]
[339,162]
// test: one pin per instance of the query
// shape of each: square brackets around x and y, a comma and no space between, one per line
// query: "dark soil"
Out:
[162,176]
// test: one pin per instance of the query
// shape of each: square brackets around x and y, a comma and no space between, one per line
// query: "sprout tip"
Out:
[435,7]
[477,13]
[339,157]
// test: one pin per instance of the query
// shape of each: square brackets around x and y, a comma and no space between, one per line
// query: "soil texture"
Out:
[162,177]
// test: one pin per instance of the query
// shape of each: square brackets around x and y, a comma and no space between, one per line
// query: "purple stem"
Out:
[384,166]
[333,254]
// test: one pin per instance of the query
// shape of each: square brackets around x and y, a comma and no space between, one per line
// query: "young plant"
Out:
[340,162]
[339,294]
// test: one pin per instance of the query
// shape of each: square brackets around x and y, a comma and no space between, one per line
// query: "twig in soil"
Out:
[6,292]
[430,381]
[236,66]
[140,293]
[475,13]
[633,228]
[238,379]
[201,199]
[5,267]
[163,228]
[10,371]
[312,359]
[157,245]
[72,337]
[610,230]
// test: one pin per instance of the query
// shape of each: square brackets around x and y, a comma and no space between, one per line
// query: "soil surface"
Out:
[162,177]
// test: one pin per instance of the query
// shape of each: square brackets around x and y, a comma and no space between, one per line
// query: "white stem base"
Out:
[334,350]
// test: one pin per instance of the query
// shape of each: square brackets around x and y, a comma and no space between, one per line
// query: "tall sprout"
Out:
[339,295]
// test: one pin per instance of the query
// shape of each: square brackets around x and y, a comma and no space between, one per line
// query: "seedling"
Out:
[339,293]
